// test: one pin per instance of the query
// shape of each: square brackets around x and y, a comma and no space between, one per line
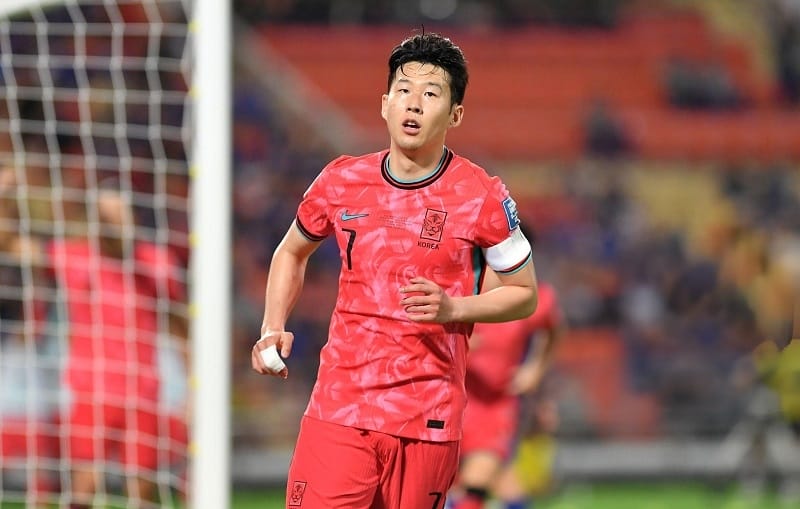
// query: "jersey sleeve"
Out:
[505,247]
[313,217]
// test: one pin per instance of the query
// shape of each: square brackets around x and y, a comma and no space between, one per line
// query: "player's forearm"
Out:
[544,348]
[549,344]
[502,304]
[284,284]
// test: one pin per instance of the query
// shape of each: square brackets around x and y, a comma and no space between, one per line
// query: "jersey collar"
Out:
[444,162]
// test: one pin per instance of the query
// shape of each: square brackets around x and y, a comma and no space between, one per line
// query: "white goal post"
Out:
[210,472]
[206,132]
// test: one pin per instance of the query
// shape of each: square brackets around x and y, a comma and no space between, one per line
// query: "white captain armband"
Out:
[510,255]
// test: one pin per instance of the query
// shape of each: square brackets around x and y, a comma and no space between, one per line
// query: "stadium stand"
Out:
[549,76]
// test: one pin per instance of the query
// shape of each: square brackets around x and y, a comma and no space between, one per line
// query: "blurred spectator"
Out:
[584,13]
[604,133]
[701,86]
[783,17]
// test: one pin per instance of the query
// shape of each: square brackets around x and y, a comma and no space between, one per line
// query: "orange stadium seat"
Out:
[531,86]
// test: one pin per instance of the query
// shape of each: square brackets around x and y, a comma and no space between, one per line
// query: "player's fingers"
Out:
[423,318]
[264,355]
[282,339]
[287,340]
[266,361]
[255,355]
[425,286]
[433,299]
[415,301]
[420,305]
[256,362]
[421,313]
[420,286]
[414,290]
[419,280]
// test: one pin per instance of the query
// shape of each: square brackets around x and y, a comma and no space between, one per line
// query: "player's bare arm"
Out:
[514,296]
[530,373]
[284,284]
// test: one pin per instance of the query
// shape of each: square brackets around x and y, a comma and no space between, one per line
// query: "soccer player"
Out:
[24,418]
[112,285]
[506,360]
[416,227]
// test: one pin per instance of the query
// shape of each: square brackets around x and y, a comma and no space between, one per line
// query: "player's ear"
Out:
[456,115]
[384,103]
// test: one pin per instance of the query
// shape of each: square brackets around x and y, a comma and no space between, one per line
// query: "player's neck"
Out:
[411,166]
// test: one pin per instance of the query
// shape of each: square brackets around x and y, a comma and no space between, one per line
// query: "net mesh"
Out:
[94,103]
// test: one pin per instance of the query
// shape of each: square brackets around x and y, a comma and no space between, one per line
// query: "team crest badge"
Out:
[433,225]
[296,496]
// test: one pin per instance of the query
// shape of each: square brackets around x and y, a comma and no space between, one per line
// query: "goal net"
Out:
[95,119]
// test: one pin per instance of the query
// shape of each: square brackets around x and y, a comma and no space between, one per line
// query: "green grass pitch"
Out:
[600,496]
[661,495]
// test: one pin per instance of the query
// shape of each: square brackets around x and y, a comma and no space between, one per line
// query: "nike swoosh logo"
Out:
[348,217]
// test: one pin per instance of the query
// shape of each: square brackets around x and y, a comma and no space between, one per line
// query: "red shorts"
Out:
[101,430]
[342,467]
[490,426]
[23,438]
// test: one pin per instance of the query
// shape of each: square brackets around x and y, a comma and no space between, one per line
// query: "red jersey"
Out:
[379,370]
[499,348]
[111,308]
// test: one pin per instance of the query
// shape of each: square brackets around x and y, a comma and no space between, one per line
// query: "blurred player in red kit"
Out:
[112,285]
[417,226]
[506,360]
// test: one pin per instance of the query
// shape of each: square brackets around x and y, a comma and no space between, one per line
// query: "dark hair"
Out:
[435,49]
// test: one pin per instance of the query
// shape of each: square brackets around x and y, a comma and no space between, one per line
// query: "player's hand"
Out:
[425,301]
[282,342]
[527,378]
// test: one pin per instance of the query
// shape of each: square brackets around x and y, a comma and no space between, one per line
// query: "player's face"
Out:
[114,213]
[418,110]
[116,221]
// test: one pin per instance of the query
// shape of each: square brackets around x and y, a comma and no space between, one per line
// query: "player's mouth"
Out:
[411,127]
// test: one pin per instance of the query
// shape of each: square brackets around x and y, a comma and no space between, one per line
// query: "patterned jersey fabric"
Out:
[111,308]
[379,370]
